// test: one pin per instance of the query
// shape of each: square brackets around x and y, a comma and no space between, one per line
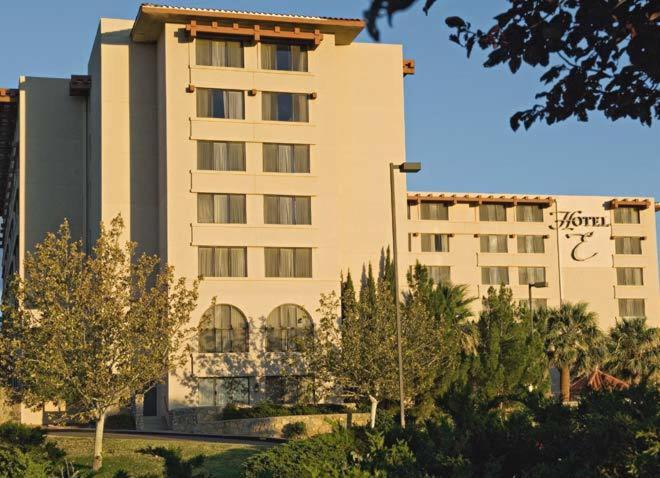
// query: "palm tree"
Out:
[450,304]
[634,350]
[572,332]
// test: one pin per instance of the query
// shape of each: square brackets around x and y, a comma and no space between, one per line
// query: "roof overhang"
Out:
[478,199]
[8,118]
[151,18]
[637,203]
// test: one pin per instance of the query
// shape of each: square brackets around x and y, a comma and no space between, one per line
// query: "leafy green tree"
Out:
[510,358]
[598,55]
[94,330]
[634,350]
[572,335]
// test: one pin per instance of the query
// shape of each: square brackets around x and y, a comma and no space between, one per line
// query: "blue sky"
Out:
[457,112]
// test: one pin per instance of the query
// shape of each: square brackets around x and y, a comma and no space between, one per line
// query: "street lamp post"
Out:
[530,286]
[404,168]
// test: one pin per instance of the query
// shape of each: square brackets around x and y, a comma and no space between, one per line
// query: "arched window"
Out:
[223,329]
[284,324]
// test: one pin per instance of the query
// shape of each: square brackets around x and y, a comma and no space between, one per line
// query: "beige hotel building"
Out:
[254,150]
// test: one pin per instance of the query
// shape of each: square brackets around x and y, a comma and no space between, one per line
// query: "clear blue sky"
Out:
[457,113]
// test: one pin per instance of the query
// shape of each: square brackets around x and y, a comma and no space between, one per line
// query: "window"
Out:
[221,208]
[213,103]
[628,245]
[438,273]
[435,243]
[529,213]
[221,391]
[289,389]
[492,212]
[285,326]
[536,303]
[494,275]
[493,243]
[286,158]
[631,308]
[434,211]
[220,156]
[531,244]
[287,210]
[288,262]
[283,57]
[219,53]
[285,107]
[626,215]
[629,276]
[223,328]
[530,275]
[222,262]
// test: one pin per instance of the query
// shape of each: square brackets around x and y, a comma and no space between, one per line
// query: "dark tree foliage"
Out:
[598,54]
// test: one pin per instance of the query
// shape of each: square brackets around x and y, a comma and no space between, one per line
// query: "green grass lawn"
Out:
[223,460]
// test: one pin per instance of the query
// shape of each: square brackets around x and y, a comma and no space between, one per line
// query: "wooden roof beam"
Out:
[256,32]
[638,203]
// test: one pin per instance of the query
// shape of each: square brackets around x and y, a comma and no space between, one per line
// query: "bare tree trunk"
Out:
[98,443]
[374,406]
[565,383]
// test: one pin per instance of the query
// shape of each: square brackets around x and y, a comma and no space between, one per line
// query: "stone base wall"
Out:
[205,420]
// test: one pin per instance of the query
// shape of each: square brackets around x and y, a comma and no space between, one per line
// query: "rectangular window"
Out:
[283,57]
[219,53]
[286,158]
[288,262]
[631,308]
[221,208]
[529,213]
[285,107]
[438,273]
[435,242]
[531,244]
[530,275]
[492,212]
[222,262]
[628,245]
[495,275]
[434,211]
[493,243]
[626,215]
[287,210]
[214,103]
[221,391]
[629,276]
[289,389]
[220,156]
[536,303]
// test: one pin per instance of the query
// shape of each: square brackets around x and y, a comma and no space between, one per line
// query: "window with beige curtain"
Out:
[628,245]
[493,243]
[290,389]
[223,329]
[492,212]
[531,244]
[221,208]
[222,261]
[629,276]
[530,275]
[286,158]
[438,273]
[434,211]
[288,261]
[296,210]
[219,53]
[215,103]
[632,308]
[494,275]
[286,325]
[626,215]
[537,304]
[435,242]
[220,156]
[283,57]
[222,391]
[529,213]
[285,107]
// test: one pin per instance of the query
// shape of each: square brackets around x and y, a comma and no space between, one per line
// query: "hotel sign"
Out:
[571,220]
